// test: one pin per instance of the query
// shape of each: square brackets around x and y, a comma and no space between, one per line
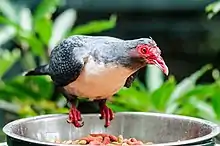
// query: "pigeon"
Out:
[96,68]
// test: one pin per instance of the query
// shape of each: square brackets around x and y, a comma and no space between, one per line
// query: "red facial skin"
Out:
[151,53]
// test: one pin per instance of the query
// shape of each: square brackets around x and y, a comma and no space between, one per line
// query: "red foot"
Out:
[75,117]
[106,113]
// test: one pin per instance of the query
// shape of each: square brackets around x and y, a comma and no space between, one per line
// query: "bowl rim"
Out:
[7,129]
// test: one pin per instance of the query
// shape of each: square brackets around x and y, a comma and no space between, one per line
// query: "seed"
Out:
[117,143]
[137,143]
[124,144]
[120,139]
[149,143]
[82,142]
[69,142]
[88,139]
[111,144]
[64,141]
[75,141]
[57,141]
[103,139]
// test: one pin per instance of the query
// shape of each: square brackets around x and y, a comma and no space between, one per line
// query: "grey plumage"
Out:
[68,57]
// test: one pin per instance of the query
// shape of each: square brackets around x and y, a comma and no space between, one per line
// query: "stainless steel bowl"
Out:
[161,129]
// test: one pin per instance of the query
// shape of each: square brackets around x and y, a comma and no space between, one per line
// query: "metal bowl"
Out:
[161,129]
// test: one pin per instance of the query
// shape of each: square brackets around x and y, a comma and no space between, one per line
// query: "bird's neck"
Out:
[132,62]
[119,54]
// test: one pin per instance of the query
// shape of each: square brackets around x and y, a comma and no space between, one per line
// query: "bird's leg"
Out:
[74,113]
[106,113]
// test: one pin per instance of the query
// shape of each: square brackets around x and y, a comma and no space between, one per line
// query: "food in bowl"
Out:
[104,139]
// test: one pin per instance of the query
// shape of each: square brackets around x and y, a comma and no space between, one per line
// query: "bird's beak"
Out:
[160,63]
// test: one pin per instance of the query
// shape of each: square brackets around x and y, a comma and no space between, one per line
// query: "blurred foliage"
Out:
[7,59]
[184,98]
[213,8]
[35,34]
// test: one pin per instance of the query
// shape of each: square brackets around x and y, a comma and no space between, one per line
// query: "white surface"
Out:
[3,144]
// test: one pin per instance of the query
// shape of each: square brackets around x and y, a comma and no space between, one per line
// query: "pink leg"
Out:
[75,117]
[74,113]
[106,113]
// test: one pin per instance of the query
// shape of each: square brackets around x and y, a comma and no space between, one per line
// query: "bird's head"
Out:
[147,50]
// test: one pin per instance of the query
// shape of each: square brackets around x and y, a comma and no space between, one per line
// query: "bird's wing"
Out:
[130,80]
[65,62]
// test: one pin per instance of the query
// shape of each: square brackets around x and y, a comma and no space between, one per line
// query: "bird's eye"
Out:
[144,50]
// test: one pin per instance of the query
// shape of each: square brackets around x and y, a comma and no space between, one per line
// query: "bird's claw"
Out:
[76,123]
[75,117]
[107,114]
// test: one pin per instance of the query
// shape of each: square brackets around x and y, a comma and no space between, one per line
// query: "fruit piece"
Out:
[95,143]
[106,140]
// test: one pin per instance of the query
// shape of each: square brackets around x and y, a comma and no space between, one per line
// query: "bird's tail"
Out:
[40,70]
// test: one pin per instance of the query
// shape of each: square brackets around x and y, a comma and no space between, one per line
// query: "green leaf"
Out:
[36,46]
[6,34]
[25,19]
[212,9]
[45,9]
[216,74]
[8,10]
[7,106]
[7,59]
[26,88]
[42,19]
[117,108]
[216,103]
[184,86]
[161,96]
[43,28]
[135,97]
[23,89]
[62,26]
[196,107]
[138,85]
[187,109]
[154,78]
[10,93]
[28,61]
[200,91]
[94,26]
[204,109]
[41,85]
[4,20]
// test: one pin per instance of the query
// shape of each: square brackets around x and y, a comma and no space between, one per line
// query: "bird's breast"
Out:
[98,80]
